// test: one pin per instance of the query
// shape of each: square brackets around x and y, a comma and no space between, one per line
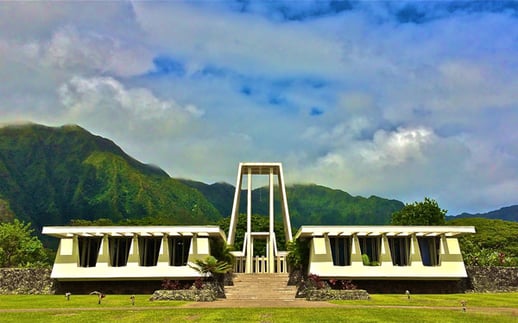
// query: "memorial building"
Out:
[140,257]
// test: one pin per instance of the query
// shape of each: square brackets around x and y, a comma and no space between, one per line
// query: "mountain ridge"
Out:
[52,175]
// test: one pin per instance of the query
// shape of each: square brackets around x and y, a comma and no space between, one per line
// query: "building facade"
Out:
[139,257]
[124,255]
[385,252]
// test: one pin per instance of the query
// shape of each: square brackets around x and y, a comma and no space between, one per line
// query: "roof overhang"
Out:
[129,231]
[377,230]
[261,168]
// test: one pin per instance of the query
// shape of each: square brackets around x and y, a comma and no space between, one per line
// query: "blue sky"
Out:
[400,99]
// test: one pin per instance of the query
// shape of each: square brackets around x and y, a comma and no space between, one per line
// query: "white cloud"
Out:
[405,110]
[93,52]
[397,147]
[105,103]
[244,43]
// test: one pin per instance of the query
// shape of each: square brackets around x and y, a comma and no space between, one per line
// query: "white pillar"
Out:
[249,246]
[235,206]
[271,234]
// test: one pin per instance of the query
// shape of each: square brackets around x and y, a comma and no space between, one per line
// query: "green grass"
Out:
[261,315]
[440,300]
[117,308]
[78,301]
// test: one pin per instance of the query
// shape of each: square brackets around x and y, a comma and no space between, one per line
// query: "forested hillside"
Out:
[509,213]
[52,175]
[308,204]
[495,243]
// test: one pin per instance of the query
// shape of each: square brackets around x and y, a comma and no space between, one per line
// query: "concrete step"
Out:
[261,287]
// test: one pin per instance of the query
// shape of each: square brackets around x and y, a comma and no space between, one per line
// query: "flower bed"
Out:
[336,294]
[192,294]
[197,291]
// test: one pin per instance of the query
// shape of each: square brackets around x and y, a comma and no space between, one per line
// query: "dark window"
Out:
[400,250]
[370,246]
[430,250]
[341,250]
[149,248]
[179,250]
[119,250]
[88,250]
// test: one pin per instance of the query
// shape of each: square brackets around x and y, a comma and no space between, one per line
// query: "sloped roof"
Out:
[92,231]
[376,230]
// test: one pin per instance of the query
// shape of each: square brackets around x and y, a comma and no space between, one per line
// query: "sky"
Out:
[398,99]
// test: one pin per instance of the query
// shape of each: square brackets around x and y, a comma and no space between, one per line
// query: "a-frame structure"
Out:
[264,169]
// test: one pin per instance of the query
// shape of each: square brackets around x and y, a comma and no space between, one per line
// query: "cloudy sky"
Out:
[397,99]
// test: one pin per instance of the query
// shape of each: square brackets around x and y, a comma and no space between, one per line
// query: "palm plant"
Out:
[210,266]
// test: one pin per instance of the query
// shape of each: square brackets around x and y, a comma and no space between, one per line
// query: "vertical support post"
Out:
[235,206]
[284,207]
[386,256]
[271,234]
[163,256]
[103,257]
[249,247]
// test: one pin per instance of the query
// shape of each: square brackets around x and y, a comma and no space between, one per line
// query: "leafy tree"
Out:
[427,212]
[221,251]
[18,248]
[298,256]
[259,224]
[211,266]
[6,214]
[494,244]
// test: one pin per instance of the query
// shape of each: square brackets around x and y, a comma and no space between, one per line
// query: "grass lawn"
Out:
[77,301]
[440,300]
[117,308]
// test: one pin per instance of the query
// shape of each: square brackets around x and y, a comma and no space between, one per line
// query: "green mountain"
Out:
[52,175]
[221,195]
[308,204]
[509,213]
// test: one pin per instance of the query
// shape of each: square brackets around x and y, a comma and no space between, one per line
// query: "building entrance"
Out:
[274,261]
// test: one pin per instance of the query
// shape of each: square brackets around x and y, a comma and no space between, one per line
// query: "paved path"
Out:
[225,303]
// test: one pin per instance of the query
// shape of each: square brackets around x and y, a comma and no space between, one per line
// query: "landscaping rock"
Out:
[327,294]
[26,281]
[193,294]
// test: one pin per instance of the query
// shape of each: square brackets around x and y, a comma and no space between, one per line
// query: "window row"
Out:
[399,250]
[119,248]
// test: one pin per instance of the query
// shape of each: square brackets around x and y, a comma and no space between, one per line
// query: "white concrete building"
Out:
[385,252]
[154,253]
[130,252]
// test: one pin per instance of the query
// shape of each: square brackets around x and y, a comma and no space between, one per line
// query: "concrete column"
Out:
[271,235]
[163,256]
[103,258]
[386,256]
[133,257]
[356,252]
[235,206]
[249,247]
[415,253]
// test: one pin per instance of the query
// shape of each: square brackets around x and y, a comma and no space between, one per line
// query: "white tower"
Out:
[268,169]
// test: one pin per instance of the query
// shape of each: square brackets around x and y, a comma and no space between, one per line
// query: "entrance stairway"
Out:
[261,287]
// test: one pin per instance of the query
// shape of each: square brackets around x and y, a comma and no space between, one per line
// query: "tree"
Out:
[211,266]
[259,224]
[18,247]
[6,214]
[427,212]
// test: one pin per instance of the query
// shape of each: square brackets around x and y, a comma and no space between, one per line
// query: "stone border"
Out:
[38,281]
[327,294]
[492,279]
[193,294]
[26,281]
